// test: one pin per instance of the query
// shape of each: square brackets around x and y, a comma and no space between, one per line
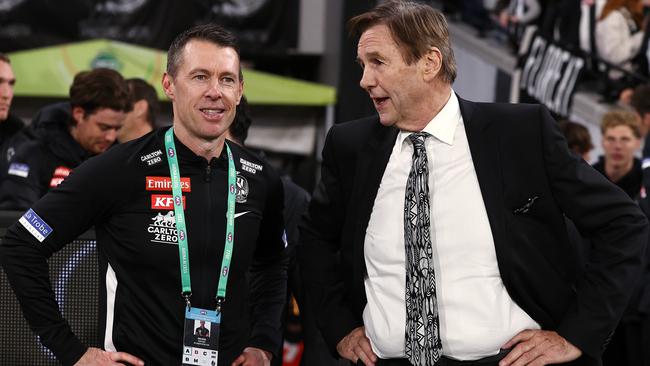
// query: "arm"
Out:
[318,253]
[69,210]
[269,274]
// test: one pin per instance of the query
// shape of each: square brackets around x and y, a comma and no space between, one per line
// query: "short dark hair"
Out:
[4,58]
[577,136]
[640,100]
[210,32]
[141,90]
[100,88]
[415,28]
[239,127]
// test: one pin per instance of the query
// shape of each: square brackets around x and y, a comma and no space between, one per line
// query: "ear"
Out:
[168,85]
[140,108]
[78,115]
[431,64]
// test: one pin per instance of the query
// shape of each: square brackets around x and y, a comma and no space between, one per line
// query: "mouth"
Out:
[380,102]
[212,113]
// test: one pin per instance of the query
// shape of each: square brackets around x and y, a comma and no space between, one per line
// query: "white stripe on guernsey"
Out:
[111,288]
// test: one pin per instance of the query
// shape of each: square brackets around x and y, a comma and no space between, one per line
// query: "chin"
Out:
[386,121]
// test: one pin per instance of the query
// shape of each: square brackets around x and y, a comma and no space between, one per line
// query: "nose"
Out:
[367,79]
[214,90]
[111,135]
[5,90]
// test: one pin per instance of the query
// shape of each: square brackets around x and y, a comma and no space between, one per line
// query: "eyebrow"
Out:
[371,54]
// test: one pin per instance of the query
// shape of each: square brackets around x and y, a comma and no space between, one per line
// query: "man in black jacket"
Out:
[65,135]
[9,124]
[179,204]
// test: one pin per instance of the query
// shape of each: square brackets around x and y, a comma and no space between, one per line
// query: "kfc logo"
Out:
[163,202]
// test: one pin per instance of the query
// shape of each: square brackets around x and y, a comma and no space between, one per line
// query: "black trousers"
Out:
[444,361]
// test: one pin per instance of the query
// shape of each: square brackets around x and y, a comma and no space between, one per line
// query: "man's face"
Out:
[620,144]
[206,89]
[7,80]
[96,132]
[397,89]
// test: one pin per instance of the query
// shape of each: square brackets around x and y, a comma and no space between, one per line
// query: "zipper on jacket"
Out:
[208,172]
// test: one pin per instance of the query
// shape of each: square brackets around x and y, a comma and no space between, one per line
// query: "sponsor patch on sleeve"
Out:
[18,169]
[35,225]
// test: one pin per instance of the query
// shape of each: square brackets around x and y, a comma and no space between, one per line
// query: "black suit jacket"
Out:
[518,154]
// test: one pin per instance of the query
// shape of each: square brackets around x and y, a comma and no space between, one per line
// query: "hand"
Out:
[356,346]
[98,357]
[252,356]
[538,348]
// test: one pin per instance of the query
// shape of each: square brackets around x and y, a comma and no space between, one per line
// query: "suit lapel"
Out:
[371,165]
[483,138]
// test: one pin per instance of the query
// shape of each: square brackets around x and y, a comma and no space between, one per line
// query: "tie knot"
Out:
[418,140]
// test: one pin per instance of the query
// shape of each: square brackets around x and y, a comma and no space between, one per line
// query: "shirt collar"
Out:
[443,125]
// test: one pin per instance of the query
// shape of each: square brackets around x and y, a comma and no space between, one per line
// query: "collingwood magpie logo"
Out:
[241,192]
[163,228]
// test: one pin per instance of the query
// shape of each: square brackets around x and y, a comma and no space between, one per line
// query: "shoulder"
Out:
[11,126]
[356,128]
[142,154]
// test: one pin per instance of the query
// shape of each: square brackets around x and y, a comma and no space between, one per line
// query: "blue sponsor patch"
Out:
[35,225]
[18,169]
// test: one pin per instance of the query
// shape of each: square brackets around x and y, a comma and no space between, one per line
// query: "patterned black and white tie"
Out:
[423,346]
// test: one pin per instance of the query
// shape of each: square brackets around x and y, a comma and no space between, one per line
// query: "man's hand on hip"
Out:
[252,356]
[356,347]
[98,357]
[538,348]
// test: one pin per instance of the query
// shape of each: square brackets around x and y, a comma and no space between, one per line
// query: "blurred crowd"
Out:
[611,35]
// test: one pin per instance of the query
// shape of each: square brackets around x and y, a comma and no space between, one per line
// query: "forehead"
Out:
[5,71]
[377,39]
[198,54]
[619,130]
[107,116]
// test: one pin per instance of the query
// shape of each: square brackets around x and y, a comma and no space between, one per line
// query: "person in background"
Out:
[619,33]
[621,139]
[640,101]
[142,119]
[9,124]
[296,200]
[65,135]
[577,137]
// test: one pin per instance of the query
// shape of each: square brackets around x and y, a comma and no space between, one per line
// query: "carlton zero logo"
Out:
[165,184]
[163,228]
[60,173]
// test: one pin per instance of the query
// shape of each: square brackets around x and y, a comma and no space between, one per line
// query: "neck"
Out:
[206,148]
[616,172]
[432,105]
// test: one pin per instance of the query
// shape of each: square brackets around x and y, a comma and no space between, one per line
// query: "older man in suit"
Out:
[437,233]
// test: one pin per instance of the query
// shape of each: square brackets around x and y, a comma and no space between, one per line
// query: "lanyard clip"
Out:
[186,296]
[220,301]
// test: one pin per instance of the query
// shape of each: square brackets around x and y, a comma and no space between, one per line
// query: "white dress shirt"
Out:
[477,316]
